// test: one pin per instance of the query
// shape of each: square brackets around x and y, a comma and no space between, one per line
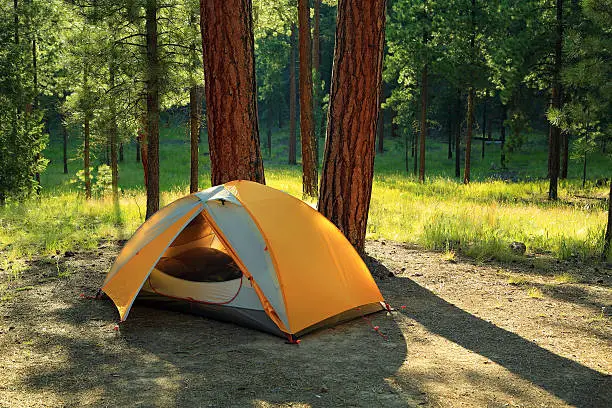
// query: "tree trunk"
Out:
[310,178]
[449,125]
[35,104]
[292,100]
[142,148]
[468,138]
[113,132]
[86,158]
[346,182]
[555,131]
[121,152]
[138,149]
[423,124]
[316,37]
[65,143]
[231,94]
[194,131]
[484,122]
[502,136]
[380,123]
[608,236]
[153,77]
[394,126]
[269,133]
[564,154]
[458,135]
[415,152]
[406,151]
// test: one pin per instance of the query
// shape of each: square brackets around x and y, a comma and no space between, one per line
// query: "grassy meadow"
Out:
[478,220]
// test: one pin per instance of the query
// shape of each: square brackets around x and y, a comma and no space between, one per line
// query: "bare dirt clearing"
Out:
[466,337]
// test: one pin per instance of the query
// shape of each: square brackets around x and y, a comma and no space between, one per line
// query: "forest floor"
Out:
[463,334]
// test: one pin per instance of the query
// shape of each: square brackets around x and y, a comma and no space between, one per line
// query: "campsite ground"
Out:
[530,334]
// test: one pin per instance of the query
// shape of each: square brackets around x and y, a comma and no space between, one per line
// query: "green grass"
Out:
[518,280]
[478,220]
[535,293]
[565,278]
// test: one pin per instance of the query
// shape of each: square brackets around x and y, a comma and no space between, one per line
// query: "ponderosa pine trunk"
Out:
[348,167]
[423,135]
[468,137]
[502,136]
[152,87]
[231,94]
[86,157]
[449,123]
[555,131]
[292,99]
[564,140]
[64,142]
[458,135]
[380,124]
[484,122]
[310,177]
[113,132]
[608,236]
[194,131]
[120,152]
[316,38]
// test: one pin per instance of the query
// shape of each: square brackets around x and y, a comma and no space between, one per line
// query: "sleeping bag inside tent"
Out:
[245,253]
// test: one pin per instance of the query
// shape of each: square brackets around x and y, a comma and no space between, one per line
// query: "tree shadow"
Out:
[572,382]
[166,358]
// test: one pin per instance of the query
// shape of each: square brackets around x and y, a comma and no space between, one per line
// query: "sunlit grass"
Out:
[535,293]
[565,278]
[518,280]
[478,220]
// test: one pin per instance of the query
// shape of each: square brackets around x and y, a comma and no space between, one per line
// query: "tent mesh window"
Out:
[198,255]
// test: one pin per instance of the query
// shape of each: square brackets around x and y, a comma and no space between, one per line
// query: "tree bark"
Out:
[449,125]
[138,149]
[38,186]
[380,123]
[468,138]
[153,77]
[346,183]
[65,143]
[458,135]
[564,154]
[113,132]
[502,136]
[484,122]
[316,37]
[310,178]
[608,236]
[231,95]
[194,130]
[292,100]
[86,158]
[423,135]
[121,152]
[555,131]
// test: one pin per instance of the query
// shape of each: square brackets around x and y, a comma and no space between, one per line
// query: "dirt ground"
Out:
[461,336]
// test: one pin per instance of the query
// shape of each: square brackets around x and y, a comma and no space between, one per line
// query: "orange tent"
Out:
[246,253]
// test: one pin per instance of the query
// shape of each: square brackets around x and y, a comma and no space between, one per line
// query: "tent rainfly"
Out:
[246,253]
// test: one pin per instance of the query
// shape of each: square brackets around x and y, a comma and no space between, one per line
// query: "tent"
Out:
[246,253]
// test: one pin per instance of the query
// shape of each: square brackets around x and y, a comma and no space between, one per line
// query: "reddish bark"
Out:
[231,105]
[346,182]
[292,99]
[310,178]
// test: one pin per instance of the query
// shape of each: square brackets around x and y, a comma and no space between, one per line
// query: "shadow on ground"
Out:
[68,353]
[568,380]
[164,358]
